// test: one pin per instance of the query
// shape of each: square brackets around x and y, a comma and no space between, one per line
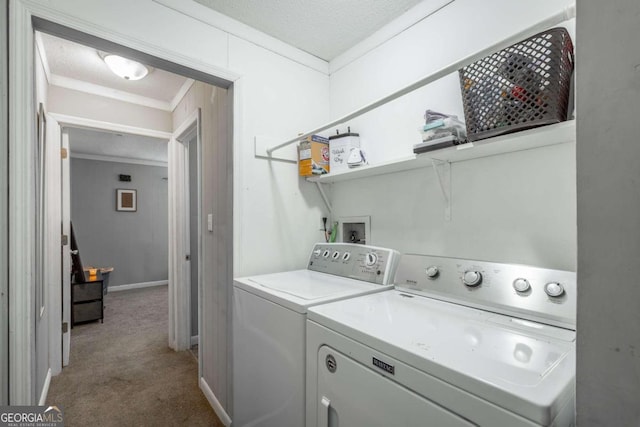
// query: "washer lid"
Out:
[524,366]
[300,289]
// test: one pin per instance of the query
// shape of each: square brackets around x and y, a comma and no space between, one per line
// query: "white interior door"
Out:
[53,233]
[180,329]
[179,325]
[65,184]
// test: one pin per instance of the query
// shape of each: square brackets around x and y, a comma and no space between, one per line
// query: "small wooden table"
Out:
[87,300]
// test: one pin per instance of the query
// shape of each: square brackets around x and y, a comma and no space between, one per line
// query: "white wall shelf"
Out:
[560,133]
[561,16]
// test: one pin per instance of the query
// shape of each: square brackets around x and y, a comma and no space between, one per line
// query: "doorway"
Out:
[186,178]
[23,352]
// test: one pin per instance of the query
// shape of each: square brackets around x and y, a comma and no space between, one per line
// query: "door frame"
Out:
[179,234]
[4,282]
[60,359]
[65,252]
[25,16]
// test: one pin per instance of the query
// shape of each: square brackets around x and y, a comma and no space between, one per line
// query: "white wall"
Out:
[517,207]
[608,82]
[280,213]
[93,107]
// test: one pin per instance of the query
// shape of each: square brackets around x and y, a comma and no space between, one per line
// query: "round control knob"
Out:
[335,255]
[346,256]
[370,259]
[432,272]
[326,253]
[317,253]
[472,278]
[521,285]
[554,289]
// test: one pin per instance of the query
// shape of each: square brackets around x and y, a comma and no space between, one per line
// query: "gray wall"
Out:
[608,182]
[134,243]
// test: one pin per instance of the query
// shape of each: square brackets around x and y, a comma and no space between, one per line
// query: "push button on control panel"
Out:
[317,253]
[521,285]
[432,272]
[472,278]
[554,289]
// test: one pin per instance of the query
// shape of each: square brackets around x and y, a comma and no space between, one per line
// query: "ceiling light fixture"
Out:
[126,68]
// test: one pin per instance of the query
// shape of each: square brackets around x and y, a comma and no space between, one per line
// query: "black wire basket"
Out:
[523,86]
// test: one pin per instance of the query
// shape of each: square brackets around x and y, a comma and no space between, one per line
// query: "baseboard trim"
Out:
[194,340]
[137,285]
[215,404]
[45,389]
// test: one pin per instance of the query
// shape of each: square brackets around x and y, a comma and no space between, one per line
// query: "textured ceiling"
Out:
[85,141]
[324,28]
[79,62]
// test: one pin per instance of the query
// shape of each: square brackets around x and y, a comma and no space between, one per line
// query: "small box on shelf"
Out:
[340,146]
[313,156]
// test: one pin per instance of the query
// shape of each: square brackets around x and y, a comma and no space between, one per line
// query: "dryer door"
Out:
[350,394]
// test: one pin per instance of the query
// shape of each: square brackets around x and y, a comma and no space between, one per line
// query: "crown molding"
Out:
[83,122]
[94,89]
[116,159]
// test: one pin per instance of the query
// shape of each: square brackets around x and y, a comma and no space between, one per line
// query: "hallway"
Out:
[122,372]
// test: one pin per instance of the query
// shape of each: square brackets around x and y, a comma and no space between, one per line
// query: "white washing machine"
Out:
[269,327]
[457,343]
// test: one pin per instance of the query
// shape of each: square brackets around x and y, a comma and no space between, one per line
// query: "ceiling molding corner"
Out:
[181,93]
[238,29]
[399,25]
[43,56]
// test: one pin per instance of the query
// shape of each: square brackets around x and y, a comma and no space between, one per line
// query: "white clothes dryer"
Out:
[457,343]
[269,327]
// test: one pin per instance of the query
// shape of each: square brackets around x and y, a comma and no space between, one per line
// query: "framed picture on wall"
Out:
[126,200]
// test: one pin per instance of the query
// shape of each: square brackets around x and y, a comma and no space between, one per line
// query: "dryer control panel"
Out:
[362,262]
[532,293]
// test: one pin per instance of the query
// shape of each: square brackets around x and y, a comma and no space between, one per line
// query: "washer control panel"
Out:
[538,294]
[369,263]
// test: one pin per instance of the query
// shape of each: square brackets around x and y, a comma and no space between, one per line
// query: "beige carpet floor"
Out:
[122,372]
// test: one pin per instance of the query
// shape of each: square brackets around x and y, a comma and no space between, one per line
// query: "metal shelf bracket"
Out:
[442,170]
[324,197]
